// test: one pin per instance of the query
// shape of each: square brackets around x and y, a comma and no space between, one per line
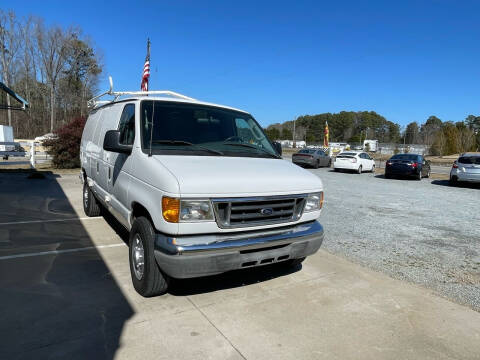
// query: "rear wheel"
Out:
[419,176]
[317,164]
[359,171]
[453,181]
[147,278]
[91,206]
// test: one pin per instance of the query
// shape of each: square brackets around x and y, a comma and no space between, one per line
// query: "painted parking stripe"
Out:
[55,252]
[47,221]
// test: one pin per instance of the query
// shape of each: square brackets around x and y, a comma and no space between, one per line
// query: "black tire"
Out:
[317,164]
[388,176]
[453,181]
[419,176]
[359,171]
[329,163]
[152,281]
[336,170]
[91,206]
[373,169]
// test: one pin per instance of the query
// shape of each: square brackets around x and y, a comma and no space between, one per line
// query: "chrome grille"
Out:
[241,212]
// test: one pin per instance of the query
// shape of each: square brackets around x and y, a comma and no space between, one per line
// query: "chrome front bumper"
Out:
[201,255]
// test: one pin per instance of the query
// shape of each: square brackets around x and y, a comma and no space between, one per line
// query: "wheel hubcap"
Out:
[137,257]
[85,197]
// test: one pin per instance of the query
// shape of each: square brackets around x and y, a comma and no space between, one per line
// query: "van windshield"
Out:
[190,129]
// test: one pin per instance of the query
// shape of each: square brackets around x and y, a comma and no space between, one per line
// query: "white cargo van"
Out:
[199,186]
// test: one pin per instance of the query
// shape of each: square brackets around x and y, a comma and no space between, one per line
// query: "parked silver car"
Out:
[312,157]
[466,168]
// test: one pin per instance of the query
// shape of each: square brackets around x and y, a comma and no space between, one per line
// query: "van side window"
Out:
[127,125]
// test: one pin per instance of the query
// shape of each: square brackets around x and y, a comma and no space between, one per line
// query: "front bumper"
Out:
[201,255]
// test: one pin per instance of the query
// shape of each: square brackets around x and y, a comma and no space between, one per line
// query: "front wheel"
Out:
[91,206]
[147,278]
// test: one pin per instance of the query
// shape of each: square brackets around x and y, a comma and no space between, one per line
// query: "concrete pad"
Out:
[83,305]
[337,310]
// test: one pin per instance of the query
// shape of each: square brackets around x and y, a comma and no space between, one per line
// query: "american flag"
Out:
[146,69]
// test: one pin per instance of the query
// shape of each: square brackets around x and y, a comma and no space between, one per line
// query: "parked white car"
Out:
[358,161]
[199,186]
[466,169]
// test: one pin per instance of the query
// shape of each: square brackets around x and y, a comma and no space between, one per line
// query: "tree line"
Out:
[345,126]
[442,137]
[445,137]
[55,69]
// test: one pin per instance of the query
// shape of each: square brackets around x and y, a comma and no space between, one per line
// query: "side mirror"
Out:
[111,142]
[278,147]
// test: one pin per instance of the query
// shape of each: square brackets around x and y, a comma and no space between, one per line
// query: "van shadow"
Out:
[232,279]
[60,304]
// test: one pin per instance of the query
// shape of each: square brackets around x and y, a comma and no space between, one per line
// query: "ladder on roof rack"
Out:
[93,102]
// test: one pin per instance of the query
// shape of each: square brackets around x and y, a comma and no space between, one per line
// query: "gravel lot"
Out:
[424,231]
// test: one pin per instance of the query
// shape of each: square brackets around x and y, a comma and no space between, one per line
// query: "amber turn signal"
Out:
[170,209]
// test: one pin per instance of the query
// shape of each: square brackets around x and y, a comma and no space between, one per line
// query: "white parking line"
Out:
[46,221]
[55,252]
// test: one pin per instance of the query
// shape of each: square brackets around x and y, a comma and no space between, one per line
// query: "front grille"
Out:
[241,212]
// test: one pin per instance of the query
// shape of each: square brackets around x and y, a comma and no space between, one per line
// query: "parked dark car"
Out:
[311,157]
[411,165]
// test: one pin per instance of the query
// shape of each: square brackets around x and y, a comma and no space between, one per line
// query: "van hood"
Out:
[238,176]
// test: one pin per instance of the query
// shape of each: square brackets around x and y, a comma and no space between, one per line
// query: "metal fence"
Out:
[26,151]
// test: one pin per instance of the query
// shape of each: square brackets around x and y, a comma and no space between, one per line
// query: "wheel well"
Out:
[139,210]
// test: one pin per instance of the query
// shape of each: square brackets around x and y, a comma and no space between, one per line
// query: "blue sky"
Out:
[405,60]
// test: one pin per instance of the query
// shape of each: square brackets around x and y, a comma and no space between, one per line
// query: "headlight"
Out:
[195,210]
[314,202]
[176,210]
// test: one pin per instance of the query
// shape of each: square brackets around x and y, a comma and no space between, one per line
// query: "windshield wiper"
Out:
[181,142]
[252,147]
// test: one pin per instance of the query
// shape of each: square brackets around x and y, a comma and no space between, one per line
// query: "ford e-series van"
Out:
[199,186]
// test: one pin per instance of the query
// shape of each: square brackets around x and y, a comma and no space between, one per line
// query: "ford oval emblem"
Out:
[266,211]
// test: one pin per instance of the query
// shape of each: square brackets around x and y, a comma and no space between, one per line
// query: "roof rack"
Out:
[95,101]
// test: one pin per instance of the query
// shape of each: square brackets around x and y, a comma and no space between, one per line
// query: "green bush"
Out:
[65,147]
